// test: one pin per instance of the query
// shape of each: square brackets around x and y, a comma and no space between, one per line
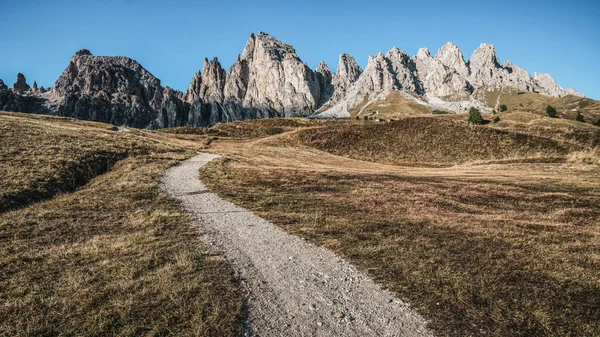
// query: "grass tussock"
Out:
[114,257]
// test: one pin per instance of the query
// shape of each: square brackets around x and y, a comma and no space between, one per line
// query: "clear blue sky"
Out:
[172,38]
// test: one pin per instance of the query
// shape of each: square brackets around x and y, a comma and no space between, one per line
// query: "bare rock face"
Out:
[193,91]
[546,85]
[403,69]
[21,86]
[2,85]
[325,78]
[278,79]
[213,81]
[438,79]
[376,82]
[111,89]
[346,74]
[517,77]
[236,82]
[484,66]
[451,56]
[173,110]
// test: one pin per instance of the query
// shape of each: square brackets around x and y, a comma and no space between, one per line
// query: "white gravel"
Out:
[293,288]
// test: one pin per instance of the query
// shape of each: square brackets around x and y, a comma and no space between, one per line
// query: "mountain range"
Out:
[268,79]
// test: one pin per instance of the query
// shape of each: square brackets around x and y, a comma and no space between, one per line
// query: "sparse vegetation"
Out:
[427,141]
[503,250]
[580,117]
[496,119]
[475,116]
[439,112]
[551,111]
[114,257]
[503,108]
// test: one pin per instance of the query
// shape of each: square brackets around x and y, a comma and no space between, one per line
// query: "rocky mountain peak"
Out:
[213,81]
[276,50]
[451,56]
[2,85]
[21,86]
[440,79]
[423,53]
[484,55]
[325,79]
[403,69]
[484,67]
[83,52]
[545,84]
[348,71]
[277,78]
[193,91]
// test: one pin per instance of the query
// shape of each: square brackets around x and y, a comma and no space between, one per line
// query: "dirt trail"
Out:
[293,288]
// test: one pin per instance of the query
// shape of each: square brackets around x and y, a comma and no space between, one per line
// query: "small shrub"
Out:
[357,118]
[521,105]
[475,116]
[494,111]
[551,111]
[503,108]
[366,118]
[497,119]
[579,117]
[597,123]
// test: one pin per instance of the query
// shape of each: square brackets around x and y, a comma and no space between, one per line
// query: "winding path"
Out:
[293,288]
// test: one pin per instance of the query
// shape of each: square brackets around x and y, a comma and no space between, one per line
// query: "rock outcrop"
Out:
[267,79]
[213,81]
[278,79]
[445,79]
[325,78]
[452,57]
[21,86]
[403,70]
[439,79]
[110,89]
[346,74]
[545,84]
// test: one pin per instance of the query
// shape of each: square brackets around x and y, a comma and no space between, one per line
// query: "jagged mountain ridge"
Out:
[267,79]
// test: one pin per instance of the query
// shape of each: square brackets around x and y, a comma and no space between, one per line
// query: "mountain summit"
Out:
[268,79]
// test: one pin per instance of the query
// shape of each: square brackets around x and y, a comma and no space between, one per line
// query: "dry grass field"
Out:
[566,106]
[89,245]
[486,230]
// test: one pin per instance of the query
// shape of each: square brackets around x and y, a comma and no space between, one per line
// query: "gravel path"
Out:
[293,288]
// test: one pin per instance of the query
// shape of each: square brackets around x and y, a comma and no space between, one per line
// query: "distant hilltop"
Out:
[267,80]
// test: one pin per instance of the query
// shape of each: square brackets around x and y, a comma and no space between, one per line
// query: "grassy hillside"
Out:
[394,106]
[430,141]
[566,106]
[106,253]
[500,249]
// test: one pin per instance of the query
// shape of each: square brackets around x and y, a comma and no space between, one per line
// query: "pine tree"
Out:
[551,111]
[475,116]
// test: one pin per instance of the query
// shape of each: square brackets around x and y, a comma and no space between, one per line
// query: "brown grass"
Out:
[41,156]
[114,257]
[566,106]
[429,141]
[394,106]
[505,249]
